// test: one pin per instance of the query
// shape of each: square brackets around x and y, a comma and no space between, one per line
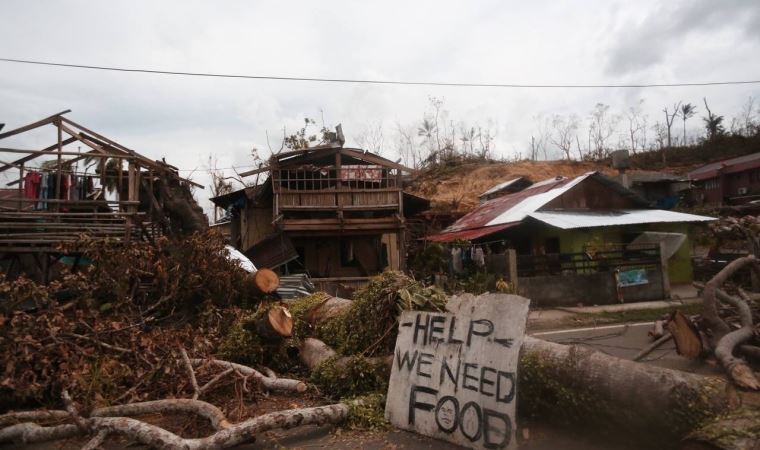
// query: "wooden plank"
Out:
[33,125]
[37,153]
[374,159]
[58,163]
[255,171]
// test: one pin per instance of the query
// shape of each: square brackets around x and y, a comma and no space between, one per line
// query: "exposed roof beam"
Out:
[49,150]
[33,125]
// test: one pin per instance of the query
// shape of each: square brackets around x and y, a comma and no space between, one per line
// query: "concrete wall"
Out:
[589,289]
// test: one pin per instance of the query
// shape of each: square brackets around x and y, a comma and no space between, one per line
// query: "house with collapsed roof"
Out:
[583,225]
[83,183]
[338,214]
[730,182]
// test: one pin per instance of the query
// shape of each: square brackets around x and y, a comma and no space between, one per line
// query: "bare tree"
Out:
[486,140]
[747,123]
[602,128]
[565,132]
[637,126]
[219,183]
[371,137]
[660,134]
[539,140]
[670,117]
[687,112]
[410,153]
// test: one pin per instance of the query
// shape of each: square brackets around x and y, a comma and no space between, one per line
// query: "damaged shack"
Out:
[84,184]
[338,214]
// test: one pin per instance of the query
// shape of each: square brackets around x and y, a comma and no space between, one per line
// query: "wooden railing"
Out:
[609,259]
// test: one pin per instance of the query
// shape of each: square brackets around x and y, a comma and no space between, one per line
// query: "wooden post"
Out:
[338,184]
[119,181]
[58,165]
[664,268]
[512,266]
[21,187]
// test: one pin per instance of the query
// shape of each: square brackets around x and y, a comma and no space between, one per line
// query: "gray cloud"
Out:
[187,119]
[686,26]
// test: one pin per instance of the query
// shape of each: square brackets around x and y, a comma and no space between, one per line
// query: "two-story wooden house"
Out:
[336,213]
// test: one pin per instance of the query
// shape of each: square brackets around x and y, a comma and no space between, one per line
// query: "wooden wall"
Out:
[590,194]
[255,225]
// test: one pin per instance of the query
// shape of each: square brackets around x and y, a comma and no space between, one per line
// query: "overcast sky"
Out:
[187,119]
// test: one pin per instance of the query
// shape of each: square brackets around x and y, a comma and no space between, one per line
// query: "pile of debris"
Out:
[113,355]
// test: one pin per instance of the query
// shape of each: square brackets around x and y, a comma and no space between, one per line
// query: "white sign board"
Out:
[454,374]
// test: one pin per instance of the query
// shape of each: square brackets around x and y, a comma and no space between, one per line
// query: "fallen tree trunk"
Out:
[329,308]
[313,353]
[275,325]
[574,385]
[264,281]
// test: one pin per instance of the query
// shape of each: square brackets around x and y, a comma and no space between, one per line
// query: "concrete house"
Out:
[581,225]
[338,214]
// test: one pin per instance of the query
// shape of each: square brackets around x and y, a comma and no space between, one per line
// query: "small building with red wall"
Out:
[731,182]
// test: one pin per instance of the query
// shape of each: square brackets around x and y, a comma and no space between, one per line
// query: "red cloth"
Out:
[32,184]
[65,183]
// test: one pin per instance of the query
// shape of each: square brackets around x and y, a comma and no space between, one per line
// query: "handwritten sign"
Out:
[454,374]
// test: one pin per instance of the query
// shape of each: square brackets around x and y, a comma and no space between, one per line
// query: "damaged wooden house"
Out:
[83,183]
[337,214]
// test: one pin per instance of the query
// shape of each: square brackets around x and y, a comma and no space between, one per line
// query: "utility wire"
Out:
[386,82]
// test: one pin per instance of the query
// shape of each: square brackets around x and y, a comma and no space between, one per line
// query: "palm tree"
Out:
[713,123]
[426,130]
[687,111]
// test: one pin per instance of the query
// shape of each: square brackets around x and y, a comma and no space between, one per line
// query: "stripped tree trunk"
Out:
[575,385]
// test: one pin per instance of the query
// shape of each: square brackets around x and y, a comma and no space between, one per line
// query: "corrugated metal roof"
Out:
[532,203]
[738,164]
[470,234]
[485,214]
[500,186]
[567,220]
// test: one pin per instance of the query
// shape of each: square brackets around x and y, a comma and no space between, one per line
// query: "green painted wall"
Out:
[574,241]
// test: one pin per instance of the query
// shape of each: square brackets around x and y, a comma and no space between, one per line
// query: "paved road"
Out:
[625,341]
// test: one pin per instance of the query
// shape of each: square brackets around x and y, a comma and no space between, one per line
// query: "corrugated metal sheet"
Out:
[532,203]
[499,187]
[470,234]
[567,220]
[485,214]
[732,165]
[295,286]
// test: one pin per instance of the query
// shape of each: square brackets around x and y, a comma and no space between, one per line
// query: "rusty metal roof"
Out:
[470,234]
[732,165]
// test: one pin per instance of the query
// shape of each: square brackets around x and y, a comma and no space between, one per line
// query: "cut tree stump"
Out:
[264,281]
[685,335]
[275,325]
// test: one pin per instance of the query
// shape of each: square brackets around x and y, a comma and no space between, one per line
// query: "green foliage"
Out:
[241,344]
[431,260]
[370,326]
[367,413]
[350,376]
[299,309]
